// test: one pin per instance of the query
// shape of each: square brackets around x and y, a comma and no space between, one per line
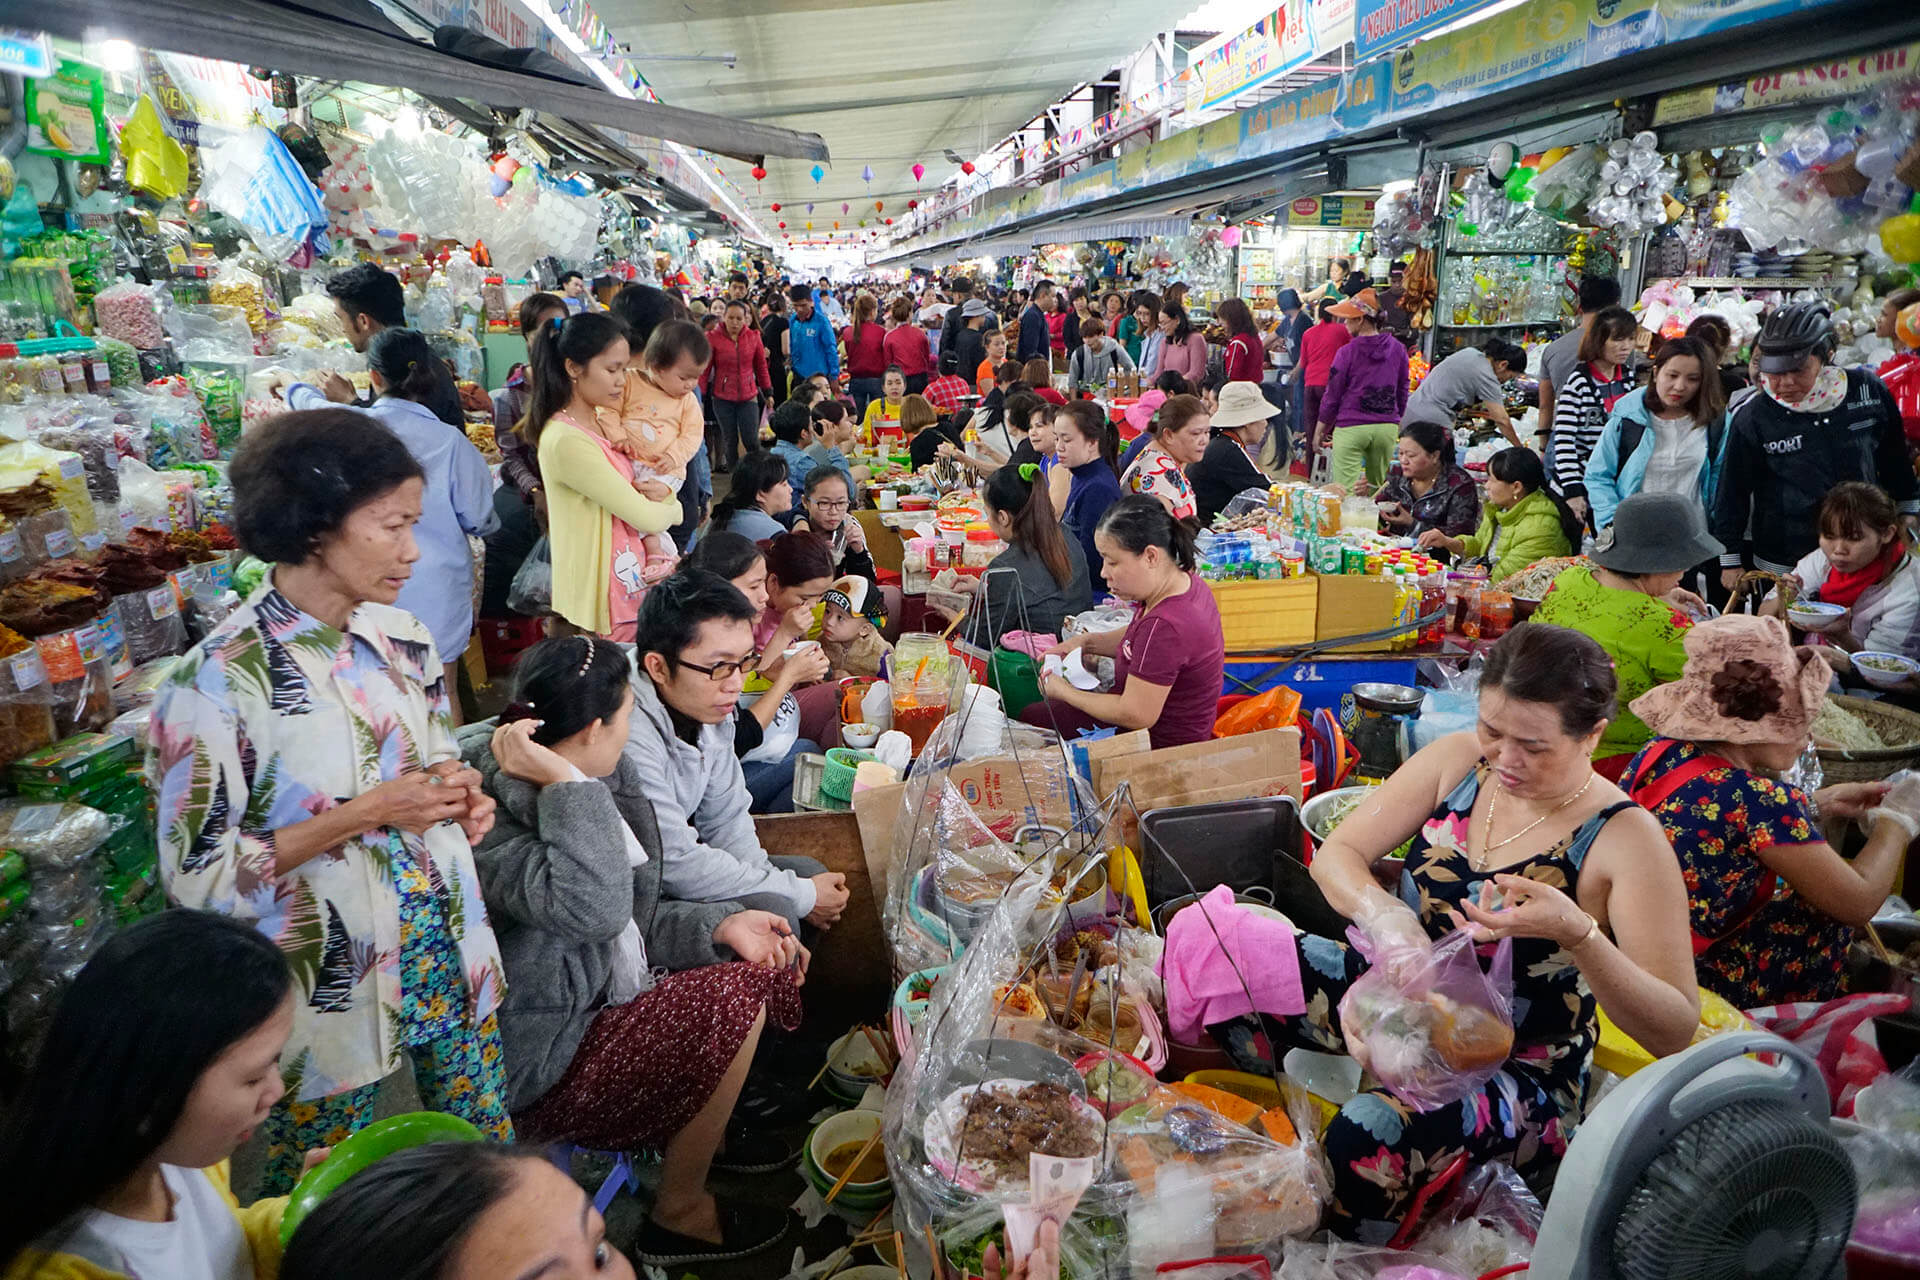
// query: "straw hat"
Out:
[1241,404]
[1744,682]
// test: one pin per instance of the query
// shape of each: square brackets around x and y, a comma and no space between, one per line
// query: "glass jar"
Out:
[922,672]
[980,549]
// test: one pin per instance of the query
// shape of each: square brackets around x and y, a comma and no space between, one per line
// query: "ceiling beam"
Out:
[290,38]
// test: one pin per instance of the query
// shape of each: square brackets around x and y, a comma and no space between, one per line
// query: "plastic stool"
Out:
[623,1175]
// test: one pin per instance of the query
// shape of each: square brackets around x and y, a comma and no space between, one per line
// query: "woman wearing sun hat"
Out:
[1366,395]
[1229,465]
[1630,601]
[1772,906]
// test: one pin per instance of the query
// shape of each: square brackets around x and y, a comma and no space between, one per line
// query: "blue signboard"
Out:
[1383,25]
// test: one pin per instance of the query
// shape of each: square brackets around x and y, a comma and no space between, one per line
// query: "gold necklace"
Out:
[1488,848]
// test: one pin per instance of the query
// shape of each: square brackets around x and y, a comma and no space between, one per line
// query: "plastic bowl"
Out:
[1897,668]
[837,1131]
[859,736]
[1811,615]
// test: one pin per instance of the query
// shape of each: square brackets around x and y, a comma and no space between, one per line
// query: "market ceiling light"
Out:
[614,85]
[119,55]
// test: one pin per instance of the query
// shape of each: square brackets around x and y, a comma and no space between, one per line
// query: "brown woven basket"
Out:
[1894,725]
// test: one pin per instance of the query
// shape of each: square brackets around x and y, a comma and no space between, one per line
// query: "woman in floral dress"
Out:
[1773,906]
[309,783]
[1588,891]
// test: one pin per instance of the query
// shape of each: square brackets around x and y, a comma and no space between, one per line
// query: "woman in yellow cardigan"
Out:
[596,514]
[162,1059]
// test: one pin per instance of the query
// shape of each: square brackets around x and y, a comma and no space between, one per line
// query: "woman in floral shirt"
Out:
[1181,430]
[1428,489]
[1772,905]
[309,784]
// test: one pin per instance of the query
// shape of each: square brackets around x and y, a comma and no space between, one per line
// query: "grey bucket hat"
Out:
[1655,533]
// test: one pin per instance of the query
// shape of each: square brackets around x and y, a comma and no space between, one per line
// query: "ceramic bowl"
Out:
[1811,615]
[1888,669]
[860,736]
[852,1064]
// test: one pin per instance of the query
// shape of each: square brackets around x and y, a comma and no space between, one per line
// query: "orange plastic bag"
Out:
[1276,708]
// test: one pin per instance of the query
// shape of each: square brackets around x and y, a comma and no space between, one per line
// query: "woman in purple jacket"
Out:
[1366,395]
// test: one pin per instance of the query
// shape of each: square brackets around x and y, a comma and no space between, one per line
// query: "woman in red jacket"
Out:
[866,342]
[736,380]
[906,345]
[1245,356]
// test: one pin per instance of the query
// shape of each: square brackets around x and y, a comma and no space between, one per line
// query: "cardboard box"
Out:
[1352,605]
[1239,768]
[1271,614]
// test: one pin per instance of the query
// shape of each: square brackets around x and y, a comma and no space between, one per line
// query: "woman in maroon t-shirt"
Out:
[1167,663]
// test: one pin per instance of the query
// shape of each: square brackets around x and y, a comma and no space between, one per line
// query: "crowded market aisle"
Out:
[571,712]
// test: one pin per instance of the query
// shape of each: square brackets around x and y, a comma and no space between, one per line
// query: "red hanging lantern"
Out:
[889,221]
[966,167]
[913,204]
[759,173]
[783,226]
[775,206]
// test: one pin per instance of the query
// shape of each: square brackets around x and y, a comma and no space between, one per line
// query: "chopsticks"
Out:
[1886,957]
[853,1164]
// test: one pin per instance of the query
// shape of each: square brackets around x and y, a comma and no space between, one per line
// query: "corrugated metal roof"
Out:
[885,82]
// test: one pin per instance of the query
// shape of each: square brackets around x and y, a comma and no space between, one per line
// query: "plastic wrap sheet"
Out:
[1885,1149]
[1488,1220]
[1171,1180]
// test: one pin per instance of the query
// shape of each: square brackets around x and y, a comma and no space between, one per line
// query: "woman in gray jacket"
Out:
[630,1019]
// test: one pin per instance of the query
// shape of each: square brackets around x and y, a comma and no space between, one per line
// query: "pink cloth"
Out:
[1223,961]
[1032,643]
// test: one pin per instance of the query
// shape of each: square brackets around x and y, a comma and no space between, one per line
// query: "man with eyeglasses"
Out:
[693,651]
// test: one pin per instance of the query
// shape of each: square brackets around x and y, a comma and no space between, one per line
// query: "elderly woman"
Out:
[1587,889]
[1630,601]
[1230,465]
[308,784]
[1167,662]
[605,1049]
[1773,906]
[1181,430]
[1429,490]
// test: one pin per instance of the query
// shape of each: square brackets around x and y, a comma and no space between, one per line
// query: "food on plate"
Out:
[1017,1000]
[1001,1127]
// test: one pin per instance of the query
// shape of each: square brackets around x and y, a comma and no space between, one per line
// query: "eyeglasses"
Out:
[832,504]
[720,672]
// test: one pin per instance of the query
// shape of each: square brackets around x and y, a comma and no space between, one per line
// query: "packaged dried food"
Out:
[130,313]
[76,762]
[151,622]
[52,834]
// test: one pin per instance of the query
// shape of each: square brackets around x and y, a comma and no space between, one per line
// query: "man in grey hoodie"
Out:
[693,651]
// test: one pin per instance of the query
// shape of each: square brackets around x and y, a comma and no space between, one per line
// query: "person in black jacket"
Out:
[1035,341]
[955,322]
[1228,466]
[1811,426]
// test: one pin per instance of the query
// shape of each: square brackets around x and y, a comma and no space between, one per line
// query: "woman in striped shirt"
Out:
[1581,408]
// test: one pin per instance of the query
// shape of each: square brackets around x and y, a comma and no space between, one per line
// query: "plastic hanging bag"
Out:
[532,591]
[1438,1033]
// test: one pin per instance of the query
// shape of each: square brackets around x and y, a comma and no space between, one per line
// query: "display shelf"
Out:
[1763,282]
[1505,253]
[1505,324]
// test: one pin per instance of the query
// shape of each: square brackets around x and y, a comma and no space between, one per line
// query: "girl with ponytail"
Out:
[597,521]
[1040,580]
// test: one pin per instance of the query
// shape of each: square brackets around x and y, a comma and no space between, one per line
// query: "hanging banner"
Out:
[1685,19]
[1540,38]
[1331,211]
[1230,65]
[1836,79]
[1381,25]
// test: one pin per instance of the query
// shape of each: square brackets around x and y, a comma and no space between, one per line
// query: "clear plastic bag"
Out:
[52,834]
[1438,1033]
[1488,1220]
[532,591]
[211,333]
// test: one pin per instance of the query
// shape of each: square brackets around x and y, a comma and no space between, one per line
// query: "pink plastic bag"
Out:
[1436,1034]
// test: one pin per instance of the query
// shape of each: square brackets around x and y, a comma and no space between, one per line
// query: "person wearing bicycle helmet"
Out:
[1812,426]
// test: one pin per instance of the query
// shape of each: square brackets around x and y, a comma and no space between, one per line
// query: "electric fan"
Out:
[1704,1166]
